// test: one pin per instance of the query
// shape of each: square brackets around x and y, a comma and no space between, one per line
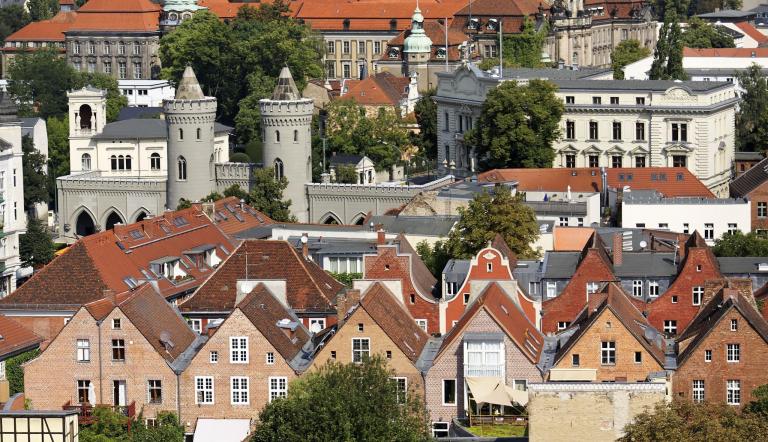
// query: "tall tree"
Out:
[434,257]
[626,52]
[523,49]
[35,246]
[58,151]
[703,34]
[490,214]
[518,125]
[705,6]
[741,244]
[668,56]
[42,9]
[35,180]
[426,116]
[752,116]
[267,195]
[12,18]
[346,403]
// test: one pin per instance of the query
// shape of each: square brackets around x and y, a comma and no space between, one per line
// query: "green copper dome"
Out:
[417,41]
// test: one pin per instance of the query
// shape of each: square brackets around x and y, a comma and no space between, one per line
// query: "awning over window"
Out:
[491,390]
[222,430]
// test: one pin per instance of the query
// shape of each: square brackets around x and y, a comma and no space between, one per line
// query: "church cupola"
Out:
[417,41]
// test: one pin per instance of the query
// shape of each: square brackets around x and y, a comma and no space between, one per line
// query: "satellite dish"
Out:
[643,244]
[304,239]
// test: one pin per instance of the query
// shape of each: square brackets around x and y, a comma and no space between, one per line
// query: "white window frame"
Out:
[238,391]
[361,352]
[562,325]
[455,393]
[313,321]
[653,289]
[83,351]
[195,324]
[150,388]
[670,328]
[707,355]
[607,352]
[697,295]
[422,323]
[697,390]
[404,380]
[733,392]
[734,325]
[733,353]
[637,288]
[213,356]
[205,388]
[709,231]
[237,353]
[592,287]
[551,290]
[277,392]
[270,358]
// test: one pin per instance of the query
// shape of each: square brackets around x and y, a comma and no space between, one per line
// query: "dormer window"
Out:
[473,24]
[346,24]
[393,52]
[493,25]
[393,24]
[762,267]
[168,267]
[440,53]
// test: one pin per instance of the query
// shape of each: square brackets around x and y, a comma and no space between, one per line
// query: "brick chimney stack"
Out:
[744,287]
[345,301]
[381,237]
[305,245]
[110,294]
[618,251]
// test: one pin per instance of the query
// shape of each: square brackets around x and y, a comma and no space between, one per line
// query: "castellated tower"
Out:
[286,133]
[190,119]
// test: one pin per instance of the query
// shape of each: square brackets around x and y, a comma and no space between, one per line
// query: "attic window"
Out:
[136,234]
[116,323]
[393,24]
[393,52]
[440,53]
[346,24]
[413,298]
[493,25]
[473,24]
[180,221]
[165,228]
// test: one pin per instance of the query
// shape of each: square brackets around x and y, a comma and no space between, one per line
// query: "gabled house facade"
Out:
[494,339]
[399,266]
[377,323]
[612,342]
[246,362]
[723,353]
[117,351]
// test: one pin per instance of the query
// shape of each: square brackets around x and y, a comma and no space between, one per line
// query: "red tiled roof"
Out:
[495,8]
[232,217]
[265,311]
[669,181]
[726,52]
[308,287]
[436,32]
[546,179]
[165,330]
[394,319]
[383,89]
[372,15]
[225,9]
[125,6]
[116,21]
[15,338]
[107,260]
[752,32]
[507,315]
[45,30]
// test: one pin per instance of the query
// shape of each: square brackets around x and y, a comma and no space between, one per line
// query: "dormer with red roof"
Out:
[678,305]
[593,268]
[493,339]
[489,265]
[400,267]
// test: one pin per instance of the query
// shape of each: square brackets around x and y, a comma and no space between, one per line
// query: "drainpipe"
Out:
[178,400]
[101,383]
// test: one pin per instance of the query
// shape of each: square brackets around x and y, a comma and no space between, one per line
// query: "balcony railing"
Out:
[483,370]
[85,411]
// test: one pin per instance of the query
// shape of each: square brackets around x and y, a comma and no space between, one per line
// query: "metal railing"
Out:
[483,370]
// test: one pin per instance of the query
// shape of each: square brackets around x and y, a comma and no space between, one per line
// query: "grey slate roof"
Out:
[728,14]
[553,73]
[750,180]
[646,264]
[456,270]
[738,265]
[132,112]
[141,128]
[558,265]
[416,225]
[750,156]
[345,159]
[286,89]
[638,85]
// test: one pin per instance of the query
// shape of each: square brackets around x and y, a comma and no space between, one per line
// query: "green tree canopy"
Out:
[518,125]
[115,100]
[626,52]
[703,34]
[741,244]
[668,56]
[704,6]
[110,426]
[523,49]
[434,257]
[14,373]
[58,151]
[351,402]
[12,18]
[267,195]
[346,174]
[35,180]
[42,9]
[35,245]
[489,214]
[426,116]
[752,116]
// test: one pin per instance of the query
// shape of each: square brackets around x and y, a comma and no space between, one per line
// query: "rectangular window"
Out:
[239,389]
[118,350]
[204,390]
[734,324]
[698,295]
[679,132]
[401,388]
[592,287]
[76,48]
[707,355]
[698,391]
[570,130]
[330,69]
[575,360]
[596,100]
[331,47]
[686,227]
[195,324]
[361,349]
[563,221]
[617,130]
[679,160]
[562,325]
[346,69]
[155,391]
[360,48]
[214,357]
[640,100]
[83,350]
[594,161]
[608,352]
[653,289]
[122,70]
[664,226]
[551,289]
[570,161]
[709,231]
[639,161]
[733,228]
[449,392]
[762,209]
[107,67]
[614,100]
[278,387]
[593,132]
[733,352]
[638,357]
[137,74]
[345,47]
[670,327]
[116,324]
[422,323]
[270,358]
[570,99]
[637,288]
[580,222]
[733,392]
[640,131]
[136,49]
[617,161]
[466,298]
[377,47]
[238,349]
[84,392]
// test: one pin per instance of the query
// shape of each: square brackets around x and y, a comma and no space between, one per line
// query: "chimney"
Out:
[345,301]
[711,287]
[618,252]
[381,238]
[110,294]
[744,288]
[305,245]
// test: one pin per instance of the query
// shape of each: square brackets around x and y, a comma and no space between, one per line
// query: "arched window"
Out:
[85,162]
[154,161]
[182,163]
[113,162]
[120,162]
[128,162]
[85,117]
[277,136]
[279,170]
[295,136]
[199,133]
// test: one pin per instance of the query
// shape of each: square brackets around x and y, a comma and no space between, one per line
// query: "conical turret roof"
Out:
[286,88]
[189,88]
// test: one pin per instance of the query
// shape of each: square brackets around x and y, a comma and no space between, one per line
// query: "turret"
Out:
[417,48]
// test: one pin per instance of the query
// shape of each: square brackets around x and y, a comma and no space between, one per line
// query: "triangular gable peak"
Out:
[507,315]
[499,244]
[398,260]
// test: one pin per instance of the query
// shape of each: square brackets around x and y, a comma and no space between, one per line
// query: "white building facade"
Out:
[146,93]
[12,215]
[711,217]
